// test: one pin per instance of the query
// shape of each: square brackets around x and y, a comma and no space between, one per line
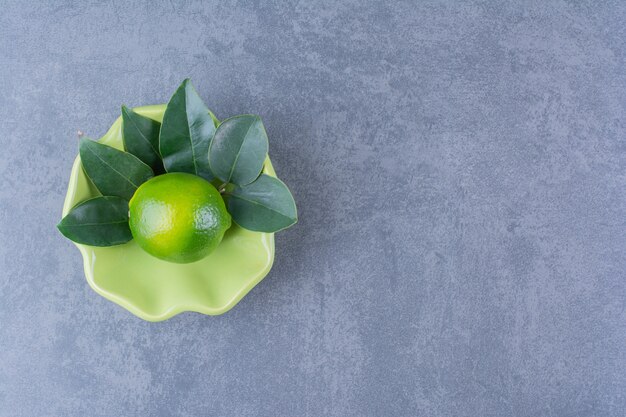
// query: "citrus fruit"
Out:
[178,217]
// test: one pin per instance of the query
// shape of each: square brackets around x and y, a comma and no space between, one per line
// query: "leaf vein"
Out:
[113,168]
[189,126]
[261,205]
[232,168]
[142,135]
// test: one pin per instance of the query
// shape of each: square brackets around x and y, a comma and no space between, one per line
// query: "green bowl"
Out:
[156,290]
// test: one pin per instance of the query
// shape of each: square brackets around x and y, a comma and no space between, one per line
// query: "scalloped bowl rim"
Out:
[268,243]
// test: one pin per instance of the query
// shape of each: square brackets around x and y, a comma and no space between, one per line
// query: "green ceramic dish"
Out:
[156,290]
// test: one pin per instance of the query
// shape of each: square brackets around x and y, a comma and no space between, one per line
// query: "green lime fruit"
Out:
[178,217]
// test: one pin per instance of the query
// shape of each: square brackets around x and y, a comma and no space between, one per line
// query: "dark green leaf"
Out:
[186,132]
[266,205]
[238,149]
[113,172]
[141,138]
[100,221]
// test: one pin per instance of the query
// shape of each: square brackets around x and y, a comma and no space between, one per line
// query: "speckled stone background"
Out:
[460,171]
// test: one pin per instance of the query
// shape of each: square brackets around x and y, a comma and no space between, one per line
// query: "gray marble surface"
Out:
[460,171]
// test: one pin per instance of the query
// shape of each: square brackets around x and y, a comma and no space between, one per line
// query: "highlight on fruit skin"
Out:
[167,174]
[178,217]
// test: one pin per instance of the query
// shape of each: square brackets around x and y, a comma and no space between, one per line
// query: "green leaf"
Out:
[238,149]
[186,132]
[100,221]
[113,172]
[141,138]
[266,205]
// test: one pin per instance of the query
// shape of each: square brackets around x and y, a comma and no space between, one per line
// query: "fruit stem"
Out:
[222,188]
